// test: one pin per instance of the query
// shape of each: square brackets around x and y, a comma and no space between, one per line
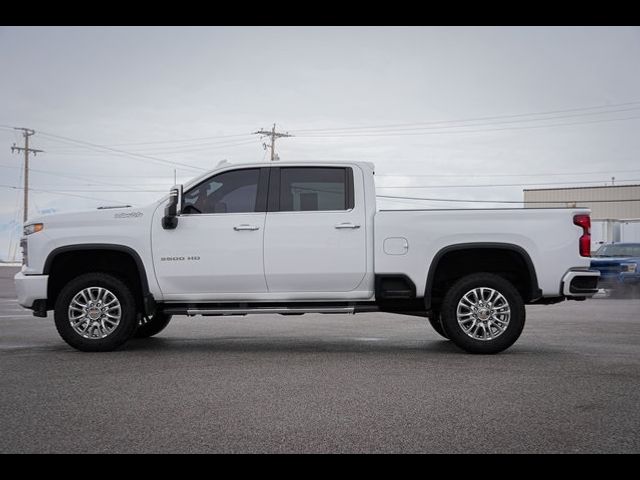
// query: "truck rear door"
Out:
[315,235]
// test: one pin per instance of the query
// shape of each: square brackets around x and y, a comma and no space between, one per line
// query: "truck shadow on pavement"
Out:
[248,344]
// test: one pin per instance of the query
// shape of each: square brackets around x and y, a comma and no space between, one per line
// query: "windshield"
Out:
[619,250]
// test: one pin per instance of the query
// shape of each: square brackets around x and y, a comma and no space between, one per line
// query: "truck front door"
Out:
[216,250]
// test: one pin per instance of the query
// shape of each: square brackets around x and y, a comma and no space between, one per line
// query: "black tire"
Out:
[436,323]
[150,326]
[466,342]
[122,332]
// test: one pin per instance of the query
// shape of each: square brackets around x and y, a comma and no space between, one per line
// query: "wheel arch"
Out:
[146,300]
[529,290]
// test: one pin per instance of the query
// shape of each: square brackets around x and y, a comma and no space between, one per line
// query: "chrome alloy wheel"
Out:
[483,313]
[94,313]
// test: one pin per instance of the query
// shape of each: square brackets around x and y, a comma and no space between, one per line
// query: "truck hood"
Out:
[95,217]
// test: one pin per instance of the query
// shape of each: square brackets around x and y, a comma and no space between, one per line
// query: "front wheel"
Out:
[95,312]
[483,313]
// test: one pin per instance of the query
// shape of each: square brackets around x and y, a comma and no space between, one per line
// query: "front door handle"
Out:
[347,225]
[244,226]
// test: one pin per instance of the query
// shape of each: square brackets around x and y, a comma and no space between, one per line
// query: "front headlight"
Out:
[629,267]
[33,228]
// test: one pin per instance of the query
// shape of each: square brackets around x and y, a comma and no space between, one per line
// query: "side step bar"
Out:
[257,310]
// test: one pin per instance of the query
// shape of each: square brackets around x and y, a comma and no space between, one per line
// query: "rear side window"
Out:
[315,189]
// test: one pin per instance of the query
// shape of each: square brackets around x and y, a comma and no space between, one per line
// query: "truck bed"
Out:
[547,235]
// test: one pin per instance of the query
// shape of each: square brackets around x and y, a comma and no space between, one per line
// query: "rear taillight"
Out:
[584,243]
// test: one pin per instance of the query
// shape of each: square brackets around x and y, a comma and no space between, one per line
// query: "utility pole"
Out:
[273,134]
[26,133]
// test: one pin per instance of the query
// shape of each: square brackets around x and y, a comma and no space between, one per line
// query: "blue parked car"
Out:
[618,265]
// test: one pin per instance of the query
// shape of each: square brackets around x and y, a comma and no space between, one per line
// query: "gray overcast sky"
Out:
[114,86]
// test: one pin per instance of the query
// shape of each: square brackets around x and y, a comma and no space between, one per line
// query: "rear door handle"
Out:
[244,226]
[347,225]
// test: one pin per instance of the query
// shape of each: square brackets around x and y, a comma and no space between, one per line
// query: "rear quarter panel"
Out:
[548,236]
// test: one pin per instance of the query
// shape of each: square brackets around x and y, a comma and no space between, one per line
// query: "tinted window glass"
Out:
[312,189]
[229,192]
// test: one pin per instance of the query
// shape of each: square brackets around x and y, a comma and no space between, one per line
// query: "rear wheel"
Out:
[150,325]
[95,312]
[483,313]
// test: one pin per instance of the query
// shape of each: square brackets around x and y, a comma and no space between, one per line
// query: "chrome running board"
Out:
[266,310]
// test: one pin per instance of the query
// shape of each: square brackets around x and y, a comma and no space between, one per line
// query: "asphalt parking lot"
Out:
[325,383]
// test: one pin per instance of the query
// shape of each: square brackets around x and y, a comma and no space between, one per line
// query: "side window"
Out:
[315,188]
[235,191]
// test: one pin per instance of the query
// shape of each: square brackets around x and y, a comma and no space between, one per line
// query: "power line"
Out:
[155,184]
[107,191]
[137,156]
[137,189]
[185,140]
[505,184]
[205,147]
[456,132]
[457,200]
[588,111]
[73,177]
[146,176]
[81,149]
[57,193]
[512,174]
[472,119]
[100,182]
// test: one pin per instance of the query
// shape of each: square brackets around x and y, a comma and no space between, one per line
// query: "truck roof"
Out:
[280,163]
[288,163]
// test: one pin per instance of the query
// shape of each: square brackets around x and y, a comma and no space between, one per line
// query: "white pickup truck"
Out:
[294,238]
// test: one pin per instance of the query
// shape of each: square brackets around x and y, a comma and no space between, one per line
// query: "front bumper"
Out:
[580,283]
[30,288]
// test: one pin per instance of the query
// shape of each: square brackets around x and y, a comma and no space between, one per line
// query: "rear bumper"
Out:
[580,283]
[30,288]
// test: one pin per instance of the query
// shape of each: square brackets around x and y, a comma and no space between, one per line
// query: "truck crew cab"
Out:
[295,238]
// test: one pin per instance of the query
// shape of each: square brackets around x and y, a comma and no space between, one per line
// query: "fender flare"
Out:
[535,291]
[147,296]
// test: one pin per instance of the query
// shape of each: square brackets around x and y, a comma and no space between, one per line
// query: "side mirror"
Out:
[172,210]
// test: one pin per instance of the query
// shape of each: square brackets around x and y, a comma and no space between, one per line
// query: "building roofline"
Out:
[579,188]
